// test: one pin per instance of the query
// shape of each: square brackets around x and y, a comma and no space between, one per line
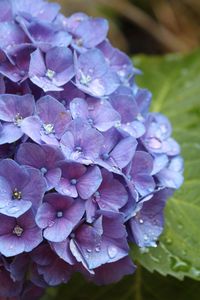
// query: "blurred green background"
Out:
[146,26]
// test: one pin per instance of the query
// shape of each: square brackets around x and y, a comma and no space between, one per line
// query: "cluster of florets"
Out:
[84,167]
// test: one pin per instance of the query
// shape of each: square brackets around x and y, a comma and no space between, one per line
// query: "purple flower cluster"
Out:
[85,168]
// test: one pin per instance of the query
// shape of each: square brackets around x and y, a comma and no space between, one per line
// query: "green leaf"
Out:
[142,286]
[175,83]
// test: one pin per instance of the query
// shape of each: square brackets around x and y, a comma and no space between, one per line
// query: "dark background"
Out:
[146,26]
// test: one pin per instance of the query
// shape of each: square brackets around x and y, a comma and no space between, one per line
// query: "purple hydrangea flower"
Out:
[85,168]
[158,135]
[49,123]
[17,185]
[171,175]
[9,286]
[13,109]
[126,105]
[76,142]
[98,113]
[59,214]
[15,39]
[147,224]
[118,61]
[96,245]
[139,173]
[19,235]
[110,196]
[116,152]
[76,180]
[40,10]
[43,35]
[44,158]
[69,92]
[52,71]
[53,269]
[89,33]
[122,267]
[93,75]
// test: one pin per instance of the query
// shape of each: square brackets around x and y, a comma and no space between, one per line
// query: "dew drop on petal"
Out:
[13,210]
[154,143]
[43,170]
[97,249]
[112,251]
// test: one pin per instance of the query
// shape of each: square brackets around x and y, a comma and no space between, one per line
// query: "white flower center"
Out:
[18,230]
[18,119]
[48,128]
[85,79]
[50,74]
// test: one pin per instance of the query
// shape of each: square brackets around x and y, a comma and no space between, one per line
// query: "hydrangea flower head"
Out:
[85,168]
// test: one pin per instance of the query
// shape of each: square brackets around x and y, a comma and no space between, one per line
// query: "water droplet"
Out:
[168,241]
[163,128]
[91,121]
[178,265]
[155,259]
[154,143]
[153,244]
[59,214]
[15,75]
[13,210]
[43,170]
[112,251]
[89,250]
[195,272]
[97,249]
[141,221]
[73,181]
[144,250]
[117,124]
[140,117]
